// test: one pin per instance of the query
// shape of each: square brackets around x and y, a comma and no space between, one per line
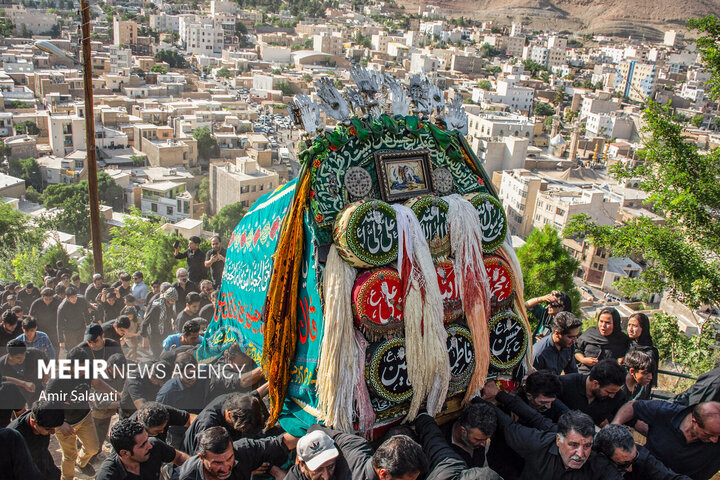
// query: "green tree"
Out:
[159,68]
[223,73]
[224,222]
[533,67]
[542,109]
[27,127]
[683,255]
[203,193]
[708,43]
[6,28]
[32,195]
[285,88]
[484,85]
[547,266]
[73,218]
[716,123]
[697,120]
[27,169]
[172,58]
[488,51]
[559,97]
[24,31]
[55,31]
[138,160]
[110,193]
[206,143]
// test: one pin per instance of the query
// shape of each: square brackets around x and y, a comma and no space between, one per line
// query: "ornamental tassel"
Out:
[466,245]
[337,370]
[281,305]
[507,253]
[365,412]
[425,336]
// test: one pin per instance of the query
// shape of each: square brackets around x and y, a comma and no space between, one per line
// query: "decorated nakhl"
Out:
[381,281]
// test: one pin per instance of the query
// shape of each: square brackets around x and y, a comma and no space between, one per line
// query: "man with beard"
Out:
[598,394]
[195,259]
[45,310]
[21,363]
[215,261]
[219,458]
[97,346]
[10,329]
[535,406]
[566,454]
[192,307]
[556,352]
[183,286]
[136,455]
[469,434]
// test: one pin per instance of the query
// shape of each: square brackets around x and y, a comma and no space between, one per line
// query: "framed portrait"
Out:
[403,174]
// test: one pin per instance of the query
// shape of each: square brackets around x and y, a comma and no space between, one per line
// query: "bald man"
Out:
[685,439]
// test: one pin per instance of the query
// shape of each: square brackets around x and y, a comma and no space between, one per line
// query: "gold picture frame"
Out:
[403,174]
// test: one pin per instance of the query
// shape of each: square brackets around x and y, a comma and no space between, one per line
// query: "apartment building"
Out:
[166,199]
[557,206]
[636,80]
[243,181]
[518,193]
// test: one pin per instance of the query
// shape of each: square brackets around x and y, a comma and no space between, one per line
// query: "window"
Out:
[169,210]
[153,207]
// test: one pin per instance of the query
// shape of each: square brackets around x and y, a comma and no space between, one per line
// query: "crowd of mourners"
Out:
[579,414]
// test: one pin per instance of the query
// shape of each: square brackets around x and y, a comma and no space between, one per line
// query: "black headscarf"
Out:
[614,345]
[645,343]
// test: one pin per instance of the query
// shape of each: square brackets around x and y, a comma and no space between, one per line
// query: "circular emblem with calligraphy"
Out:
[366,234]
[432,214]
[501,280]
[443,180]
[452,304]
[386,370]
[509,338]
[358,182]
[462,357]
[377,302]
[492,220]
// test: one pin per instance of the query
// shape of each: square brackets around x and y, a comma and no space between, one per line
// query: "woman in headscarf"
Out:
[606,341]
[638,329]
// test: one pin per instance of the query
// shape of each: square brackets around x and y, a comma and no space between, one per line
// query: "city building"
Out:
[518,193]
[243,181]
[636,80]
[125,32]
[166,199]
[66,133]
[556,206]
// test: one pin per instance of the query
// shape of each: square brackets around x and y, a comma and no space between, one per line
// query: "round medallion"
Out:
[492,220]
[509,338]
[501,280]
[377,302]
[386,370]
[443,180]
[432,214]
[462,357]
[452,304]
[358,182]
[365,234]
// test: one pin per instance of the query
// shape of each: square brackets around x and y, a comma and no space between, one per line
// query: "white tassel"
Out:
[337,369]
[425,336]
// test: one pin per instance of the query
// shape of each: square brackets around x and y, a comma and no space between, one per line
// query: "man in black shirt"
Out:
[239,413]
[97,346]
[13,401]
[195,259]
[143,387]
[208,311]
[219,458]
[157,323]
[45,312]
[469,434]
[73,315]
[21,363]
[16,462]
[183,286]
[192,307]
[123,285]
[95,288]
[10,328]
[36,426]
[28,295]
[136,455]
[157,418]
[116,329]
[598,394]
[566,454]
[80,286]
[73,394]
[616,446]
[683,438]
[215,261]
[10,303]
[109,304]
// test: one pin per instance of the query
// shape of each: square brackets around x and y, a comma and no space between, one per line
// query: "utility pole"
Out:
[94,200]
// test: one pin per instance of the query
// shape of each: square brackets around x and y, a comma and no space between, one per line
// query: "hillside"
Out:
[639,18]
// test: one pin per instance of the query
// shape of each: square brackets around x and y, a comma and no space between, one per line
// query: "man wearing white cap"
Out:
[316,457]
